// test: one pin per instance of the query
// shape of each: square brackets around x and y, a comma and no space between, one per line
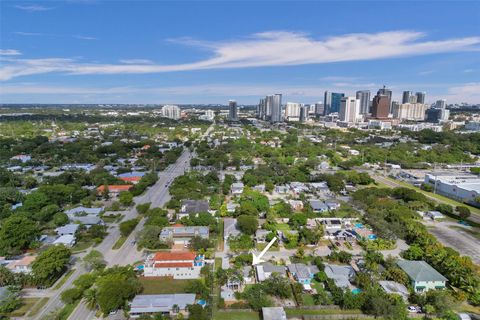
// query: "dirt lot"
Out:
[460,238]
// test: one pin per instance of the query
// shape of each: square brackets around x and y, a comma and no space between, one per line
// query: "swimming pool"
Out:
[356,291]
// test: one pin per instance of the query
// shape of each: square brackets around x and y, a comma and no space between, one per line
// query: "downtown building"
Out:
[380,106]
[409,111]
[349,110]
[292,111]
[331,102]
[232,110]
[270,108]
[364,97]
[171,112]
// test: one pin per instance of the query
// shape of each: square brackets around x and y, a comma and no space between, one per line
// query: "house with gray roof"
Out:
[422,276]
[165,304]
[194,206]
[78,211]
[261,235]
[264,271]
[392,287]
[302,273]
[182,234]
[318,206]
[230,228]
[87,220]
[340,274]
[67,229]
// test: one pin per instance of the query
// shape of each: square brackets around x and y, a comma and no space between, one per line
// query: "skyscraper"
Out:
[292,110]
[441,104]
[386,92]
[420,97]
[406,96]
[381,106]
[332,102]
[232,110]
[364,97]
[276,108]
[304,113]
[319,109]
[349,109]
[170,111]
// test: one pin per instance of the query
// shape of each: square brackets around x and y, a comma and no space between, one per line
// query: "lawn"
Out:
[300,312]
[260,246]
[163,285]
[119,243]
[39,305]
[308,299]
[63,279]
[82,246]
[27,305]
[237,315]
[283,227]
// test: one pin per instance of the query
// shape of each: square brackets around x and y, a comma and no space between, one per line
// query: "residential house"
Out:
[422,276]
[340,274]
[69,229]
[87,220]
[23,265]
[265,270]
[303,273]
[179,265]
[194,206]
[230,228]
[231,207]
[23,158]
[331,224]
[165,304]
[182,234]
[237,188]
[79,211]
[296,205]
[318,206]
[343,235]
[131,177]
[67,240]
[332,205]
[114,190]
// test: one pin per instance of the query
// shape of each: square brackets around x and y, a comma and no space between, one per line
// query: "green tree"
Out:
[50,264]
[71,295]
[125,198]
[16,234]
[463,212]
[126,227]
[247,224]
[94,260]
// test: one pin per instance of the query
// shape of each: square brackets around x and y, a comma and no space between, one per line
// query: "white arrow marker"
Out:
[257,260]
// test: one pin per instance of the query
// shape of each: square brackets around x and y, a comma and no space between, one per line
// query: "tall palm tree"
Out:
[90,296]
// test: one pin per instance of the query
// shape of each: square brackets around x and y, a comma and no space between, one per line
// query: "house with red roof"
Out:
[179,265]
[114,190]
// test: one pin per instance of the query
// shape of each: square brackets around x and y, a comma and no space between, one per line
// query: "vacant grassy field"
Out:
[300,312]
[283,227]
[39,305]
[27,305]
[163,285]
[237,315]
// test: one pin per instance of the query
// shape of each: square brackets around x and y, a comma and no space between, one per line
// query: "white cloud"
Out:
[84,37]
[275,48]
[32,8]
[9,52]
[28,34]
[136,61]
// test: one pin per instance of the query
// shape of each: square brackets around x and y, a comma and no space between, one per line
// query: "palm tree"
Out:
[175,308]
[90,296]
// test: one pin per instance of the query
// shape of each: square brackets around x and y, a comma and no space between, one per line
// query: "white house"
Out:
[179,265]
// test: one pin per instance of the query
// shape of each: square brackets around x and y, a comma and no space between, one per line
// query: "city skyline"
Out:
[167,53]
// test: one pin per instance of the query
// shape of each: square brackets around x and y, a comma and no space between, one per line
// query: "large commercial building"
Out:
[232,110]
[364,97]
[380,106]
[276,108]
[349,109]
[463,187]
[409,111]
[386,92]
[420,97]
[409,97]
[171,112]
[437,115]
[304,113]
[292,110]
[332,102]
[319,109]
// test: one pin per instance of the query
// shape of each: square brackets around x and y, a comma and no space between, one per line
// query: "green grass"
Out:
[163,285]
[119,243]
[436,195]
[39,305]
[283,227]
[26,306]
[220,242]
[82,246]
[237,315]
[300,312]
[308,299]
[67,310]
[261,246]
[63,279]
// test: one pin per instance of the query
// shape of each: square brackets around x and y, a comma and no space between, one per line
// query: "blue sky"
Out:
[86,51]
